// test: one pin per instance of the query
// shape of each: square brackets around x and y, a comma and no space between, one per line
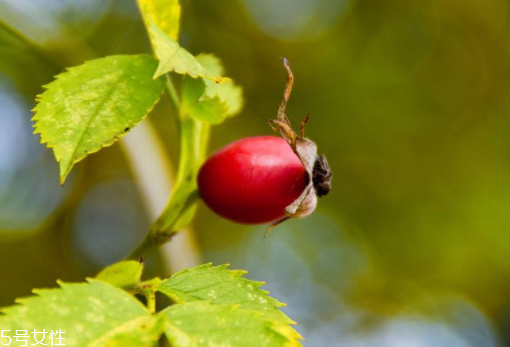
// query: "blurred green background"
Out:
[409,100]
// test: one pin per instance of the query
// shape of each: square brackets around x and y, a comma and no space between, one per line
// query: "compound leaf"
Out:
[90,106]
[124,274]
[202,324]
[219,285]
[88,314]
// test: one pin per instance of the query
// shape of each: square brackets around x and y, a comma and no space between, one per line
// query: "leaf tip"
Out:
[64,172]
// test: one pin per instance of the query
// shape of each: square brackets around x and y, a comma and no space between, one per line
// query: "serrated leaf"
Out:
[219,285]
[124,274]
[210,110]
[90,106]
[227,91]
[172,57]
[202,324]
[89,314]
[166,14]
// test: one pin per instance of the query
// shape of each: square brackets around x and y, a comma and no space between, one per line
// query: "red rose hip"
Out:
[267,179]
[252,180]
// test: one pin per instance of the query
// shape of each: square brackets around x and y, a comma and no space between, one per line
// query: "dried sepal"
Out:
[317,167]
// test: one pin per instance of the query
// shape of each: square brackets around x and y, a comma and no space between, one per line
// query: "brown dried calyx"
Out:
[317,167]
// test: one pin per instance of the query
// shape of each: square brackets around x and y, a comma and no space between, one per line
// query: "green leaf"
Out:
[227,91]
[89,314]
[210,110]
[90,106]
[219,285]
[124,274]
[172,57]
[166,15]
[202,324]
[207,101]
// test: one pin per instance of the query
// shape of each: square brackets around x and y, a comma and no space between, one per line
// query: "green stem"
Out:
[147,289]
[150,296]
[180,208]
[172,93]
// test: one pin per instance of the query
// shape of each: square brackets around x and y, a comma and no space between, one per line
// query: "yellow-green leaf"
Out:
[90,106]
[166,14]
[207,101]
[172,57]
[202,324]
[227,91]
[91,314]
[211,110]
[219,285]
[124,274]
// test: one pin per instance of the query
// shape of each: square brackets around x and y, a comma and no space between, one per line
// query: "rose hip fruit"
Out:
[252,180]
[267,179]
